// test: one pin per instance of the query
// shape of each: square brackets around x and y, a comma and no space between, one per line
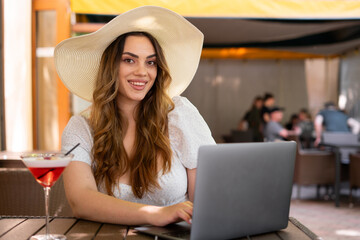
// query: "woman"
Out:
[253,120]
[136,163]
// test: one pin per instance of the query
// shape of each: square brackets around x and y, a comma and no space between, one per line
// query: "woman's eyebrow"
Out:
[136,56]
[152,55]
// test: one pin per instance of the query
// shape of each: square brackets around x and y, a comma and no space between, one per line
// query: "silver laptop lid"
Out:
[242,189]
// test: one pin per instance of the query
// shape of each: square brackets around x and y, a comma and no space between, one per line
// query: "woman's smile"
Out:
[138,85]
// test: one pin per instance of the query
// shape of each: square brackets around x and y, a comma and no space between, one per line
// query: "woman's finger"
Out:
[184,215]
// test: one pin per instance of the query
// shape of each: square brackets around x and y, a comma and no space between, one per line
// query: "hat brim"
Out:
[77,59]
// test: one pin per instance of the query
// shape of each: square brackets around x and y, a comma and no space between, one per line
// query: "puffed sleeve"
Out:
[187,131]
[78,131]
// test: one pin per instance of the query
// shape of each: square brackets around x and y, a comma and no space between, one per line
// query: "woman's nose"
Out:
[141,69]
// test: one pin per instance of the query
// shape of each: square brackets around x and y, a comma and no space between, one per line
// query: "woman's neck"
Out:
[128,108]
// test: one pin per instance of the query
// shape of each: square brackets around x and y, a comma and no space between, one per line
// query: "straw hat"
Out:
[77,59]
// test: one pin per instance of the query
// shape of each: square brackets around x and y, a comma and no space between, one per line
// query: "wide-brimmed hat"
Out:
[77,59]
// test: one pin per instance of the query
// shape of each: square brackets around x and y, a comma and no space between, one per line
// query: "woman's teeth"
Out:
[138,83]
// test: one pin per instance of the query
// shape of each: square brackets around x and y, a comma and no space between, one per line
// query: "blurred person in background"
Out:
[268,104]
[293,122]
[274,131]
[306,126]
[252,119]
[331,119]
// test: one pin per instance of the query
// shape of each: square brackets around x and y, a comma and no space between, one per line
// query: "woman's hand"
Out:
[162,216]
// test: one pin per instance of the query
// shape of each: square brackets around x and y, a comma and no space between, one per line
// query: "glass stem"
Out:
[47,193]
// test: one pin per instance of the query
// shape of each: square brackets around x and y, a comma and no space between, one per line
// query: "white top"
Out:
[187,132]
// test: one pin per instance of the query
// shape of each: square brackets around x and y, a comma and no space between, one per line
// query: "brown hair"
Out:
[110,161]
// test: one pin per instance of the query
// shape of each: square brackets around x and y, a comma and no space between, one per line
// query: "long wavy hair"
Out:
[109,126]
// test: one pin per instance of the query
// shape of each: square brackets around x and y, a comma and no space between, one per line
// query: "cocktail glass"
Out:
[46,169]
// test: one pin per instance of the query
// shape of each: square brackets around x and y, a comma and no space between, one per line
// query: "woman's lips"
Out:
[137,84]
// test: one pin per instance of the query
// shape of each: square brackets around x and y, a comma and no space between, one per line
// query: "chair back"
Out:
[354,170]
[339,137]
[21,195]
[313,166]
[242,136]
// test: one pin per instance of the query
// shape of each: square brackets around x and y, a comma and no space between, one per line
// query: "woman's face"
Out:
[258,104]
[138,69]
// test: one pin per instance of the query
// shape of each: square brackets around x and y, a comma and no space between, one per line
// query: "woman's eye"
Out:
[128,60]
[152,63]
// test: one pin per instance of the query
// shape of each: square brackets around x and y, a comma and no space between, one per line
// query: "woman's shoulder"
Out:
[78,125]
[188,131]
[78,131]
[185,113]
[182,105]
[77,121]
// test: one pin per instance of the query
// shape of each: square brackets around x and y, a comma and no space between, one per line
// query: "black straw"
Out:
[65,155]
[72,149]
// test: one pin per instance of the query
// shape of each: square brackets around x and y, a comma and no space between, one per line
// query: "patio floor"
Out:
[323,218]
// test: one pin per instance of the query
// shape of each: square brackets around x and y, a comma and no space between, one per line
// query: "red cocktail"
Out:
[46,169]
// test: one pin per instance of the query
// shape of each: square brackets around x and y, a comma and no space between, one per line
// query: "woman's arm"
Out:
[354,125]
[318,129]
[191,175]
[88,203]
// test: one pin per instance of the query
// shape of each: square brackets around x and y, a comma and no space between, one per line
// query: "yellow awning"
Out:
[280,37]
[305,9]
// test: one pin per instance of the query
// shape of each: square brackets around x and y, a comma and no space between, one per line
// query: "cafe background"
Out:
[304,52]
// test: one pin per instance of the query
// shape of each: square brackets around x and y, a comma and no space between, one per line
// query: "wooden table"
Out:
[21,228]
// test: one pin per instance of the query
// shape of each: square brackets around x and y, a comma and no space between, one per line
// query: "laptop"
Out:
[241,189]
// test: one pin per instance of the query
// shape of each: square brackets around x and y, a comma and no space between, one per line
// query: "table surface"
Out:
[19,228]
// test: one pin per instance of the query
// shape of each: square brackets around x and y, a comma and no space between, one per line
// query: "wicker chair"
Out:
[313,167]
[21,195]
[354,173]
